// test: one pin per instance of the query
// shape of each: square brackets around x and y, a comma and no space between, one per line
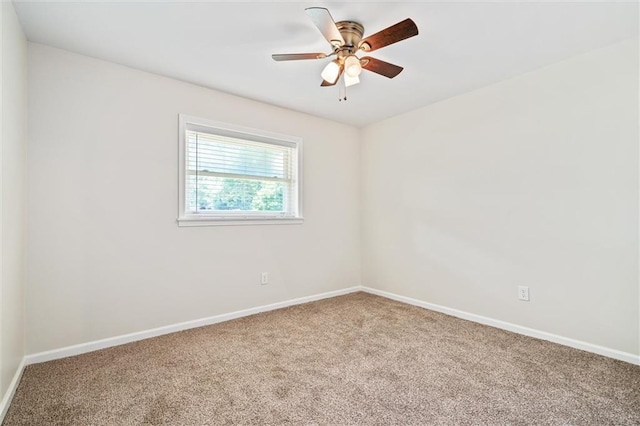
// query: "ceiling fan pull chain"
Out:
[344,84]
[342,91]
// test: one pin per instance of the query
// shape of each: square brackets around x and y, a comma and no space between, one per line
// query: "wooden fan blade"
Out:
[395,33]
[297,56]
[380,67]
[325,83]
[325,23]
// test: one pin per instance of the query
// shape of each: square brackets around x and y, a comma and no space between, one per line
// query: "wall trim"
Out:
[11,391]
[146,334]
[566,341]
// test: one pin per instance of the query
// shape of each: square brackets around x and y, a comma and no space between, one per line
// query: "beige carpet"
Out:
[355,359]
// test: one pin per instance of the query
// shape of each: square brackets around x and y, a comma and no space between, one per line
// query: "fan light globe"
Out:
[352,66]
[331,72]
[350,81]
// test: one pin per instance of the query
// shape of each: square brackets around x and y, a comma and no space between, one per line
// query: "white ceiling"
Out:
[228,45]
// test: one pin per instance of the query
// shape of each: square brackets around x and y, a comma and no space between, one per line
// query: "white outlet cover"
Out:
[523,293]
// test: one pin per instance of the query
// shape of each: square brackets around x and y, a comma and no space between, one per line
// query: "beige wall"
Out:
[14,127]
[532,181]
[105,254]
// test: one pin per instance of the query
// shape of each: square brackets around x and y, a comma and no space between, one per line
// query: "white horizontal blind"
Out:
[229,176]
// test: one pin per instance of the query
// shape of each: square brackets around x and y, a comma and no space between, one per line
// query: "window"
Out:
[231,175]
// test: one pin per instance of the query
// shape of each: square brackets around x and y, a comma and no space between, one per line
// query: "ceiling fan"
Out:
[346,39]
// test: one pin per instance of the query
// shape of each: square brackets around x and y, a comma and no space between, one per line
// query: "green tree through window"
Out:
[231,194]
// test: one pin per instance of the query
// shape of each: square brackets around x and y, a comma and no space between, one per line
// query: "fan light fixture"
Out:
[352,66]
[331,72]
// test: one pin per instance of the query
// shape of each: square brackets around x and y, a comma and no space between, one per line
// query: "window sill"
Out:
[212,221]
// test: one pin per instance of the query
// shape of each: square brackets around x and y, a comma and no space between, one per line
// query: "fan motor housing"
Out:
[351,33]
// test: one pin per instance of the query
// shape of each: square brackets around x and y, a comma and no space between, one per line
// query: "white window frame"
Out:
[188,122]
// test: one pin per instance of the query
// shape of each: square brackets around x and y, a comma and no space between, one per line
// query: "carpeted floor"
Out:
[355,359]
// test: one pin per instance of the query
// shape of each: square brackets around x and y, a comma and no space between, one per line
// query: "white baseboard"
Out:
[8,396]
[146,334]
[141,335]
[589,347]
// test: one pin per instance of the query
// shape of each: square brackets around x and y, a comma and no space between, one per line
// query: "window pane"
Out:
[229,194]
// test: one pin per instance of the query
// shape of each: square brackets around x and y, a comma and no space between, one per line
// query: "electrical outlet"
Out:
[523,293]
[265,278]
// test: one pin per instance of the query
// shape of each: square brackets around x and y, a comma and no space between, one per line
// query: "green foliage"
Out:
[236,194]
[239,194]
[269,197]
